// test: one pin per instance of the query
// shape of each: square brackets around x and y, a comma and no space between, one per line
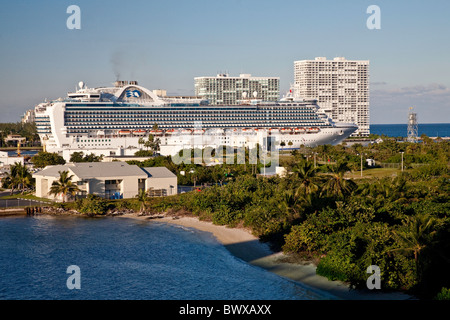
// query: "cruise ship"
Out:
[116,120]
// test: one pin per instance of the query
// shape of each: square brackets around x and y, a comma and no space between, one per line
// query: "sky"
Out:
[165,44]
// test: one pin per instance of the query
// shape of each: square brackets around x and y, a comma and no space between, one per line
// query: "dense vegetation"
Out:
[43,159]
[81,157]
[18,178]
[400,224]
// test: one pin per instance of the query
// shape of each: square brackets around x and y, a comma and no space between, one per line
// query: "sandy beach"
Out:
[245,246]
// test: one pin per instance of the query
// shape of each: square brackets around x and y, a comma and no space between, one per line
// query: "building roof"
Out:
[52,171]
[159,172]
[106,169]
[86,170]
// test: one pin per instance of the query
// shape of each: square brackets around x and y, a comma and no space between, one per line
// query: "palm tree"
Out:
[150,142]
[155,146]
[415,235]
[64,185]
[19,177]
[10,180]
[337,185]
[23,177]
[141,141]
[391,189]
[142,198]
[290,205]
[306,173]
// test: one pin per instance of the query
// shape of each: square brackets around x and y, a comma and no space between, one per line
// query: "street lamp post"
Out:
[361,165]
[402,160]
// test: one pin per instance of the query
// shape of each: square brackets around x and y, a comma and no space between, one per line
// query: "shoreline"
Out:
[247,247]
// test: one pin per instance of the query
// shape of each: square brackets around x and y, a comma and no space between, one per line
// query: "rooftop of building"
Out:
[241,76]
[336,59]
[158,172]
[87,170]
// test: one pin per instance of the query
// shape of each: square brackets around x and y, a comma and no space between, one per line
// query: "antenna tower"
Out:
[413,126]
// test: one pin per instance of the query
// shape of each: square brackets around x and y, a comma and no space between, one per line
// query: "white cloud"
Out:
[391,105]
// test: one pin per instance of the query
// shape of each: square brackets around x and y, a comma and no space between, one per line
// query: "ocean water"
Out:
[400,130]
[127,259]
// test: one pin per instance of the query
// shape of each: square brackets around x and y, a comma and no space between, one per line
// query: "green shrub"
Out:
[443,295]
[303,237]
[92,205]
[336,267]
[224,215]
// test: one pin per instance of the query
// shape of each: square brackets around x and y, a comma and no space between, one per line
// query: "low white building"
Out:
[6,160]
[160,180]
[111,180]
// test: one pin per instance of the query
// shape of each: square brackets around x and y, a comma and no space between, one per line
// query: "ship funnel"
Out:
[120,83]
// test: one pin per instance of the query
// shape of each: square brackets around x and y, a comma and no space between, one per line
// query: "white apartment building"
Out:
[28,116]
[340,86]
[227,90]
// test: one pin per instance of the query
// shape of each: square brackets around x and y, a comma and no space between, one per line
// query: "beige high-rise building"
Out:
[340,86]
[227,90]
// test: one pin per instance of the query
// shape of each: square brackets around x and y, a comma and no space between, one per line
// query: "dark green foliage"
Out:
[92,205]
[80,157]
[43,159]
[443,295]
[18,177]
[143,153]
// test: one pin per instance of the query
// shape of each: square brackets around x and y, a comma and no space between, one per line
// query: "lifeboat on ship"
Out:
[286,130]
[312,130]
[299,130]
[139,132]
[198,131]
[156,132]
[124,132]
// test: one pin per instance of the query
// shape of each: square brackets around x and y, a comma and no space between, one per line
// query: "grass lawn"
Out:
[374,173]
[26,195]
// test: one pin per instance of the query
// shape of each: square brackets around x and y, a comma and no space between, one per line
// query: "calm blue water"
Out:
[127,259]
[400,130]
[22,152]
